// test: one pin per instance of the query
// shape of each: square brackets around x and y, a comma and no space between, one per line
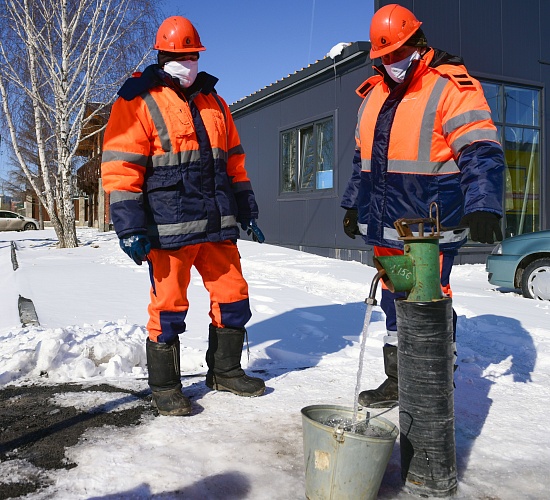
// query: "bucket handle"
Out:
[339,431]
[338,434]
[390,408]
[368,416]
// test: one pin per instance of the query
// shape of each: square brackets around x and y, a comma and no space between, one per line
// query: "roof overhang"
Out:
[314,71]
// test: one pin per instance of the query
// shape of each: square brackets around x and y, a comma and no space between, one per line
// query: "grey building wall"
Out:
[313,221]
[500,40]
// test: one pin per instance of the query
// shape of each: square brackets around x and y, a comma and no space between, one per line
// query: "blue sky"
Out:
[253,43]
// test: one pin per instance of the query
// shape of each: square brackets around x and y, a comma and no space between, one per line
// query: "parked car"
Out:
[10,221]
[522,262]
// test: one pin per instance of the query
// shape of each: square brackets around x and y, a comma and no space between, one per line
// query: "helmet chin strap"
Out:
[422,51]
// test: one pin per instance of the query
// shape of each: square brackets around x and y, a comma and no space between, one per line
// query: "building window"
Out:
[307,157]
[516,112]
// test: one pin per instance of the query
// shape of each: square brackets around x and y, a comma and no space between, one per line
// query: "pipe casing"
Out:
[426,396]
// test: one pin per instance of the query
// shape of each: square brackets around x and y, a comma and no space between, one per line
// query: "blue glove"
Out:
[251,228]
[136,247]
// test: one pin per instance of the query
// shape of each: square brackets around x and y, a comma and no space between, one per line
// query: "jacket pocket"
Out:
[164,195]
[181,124]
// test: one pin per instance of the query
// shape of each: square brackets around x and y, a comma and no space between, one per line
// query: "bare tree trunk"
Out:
[60,56]
[40,215]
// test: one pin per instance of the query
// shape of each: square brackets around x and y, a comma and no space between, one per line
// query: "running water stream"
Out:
[366,323]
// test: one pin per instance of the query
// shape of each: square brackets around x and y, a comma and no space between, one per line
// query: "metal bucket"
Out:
[341,464]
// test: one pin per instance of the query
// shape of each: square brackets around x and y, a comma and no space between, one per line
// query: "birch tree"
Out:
[56,58]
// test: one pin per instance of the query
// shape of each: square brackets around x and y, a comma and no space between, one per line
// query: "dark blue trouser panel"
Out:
[235,314]
[172,324]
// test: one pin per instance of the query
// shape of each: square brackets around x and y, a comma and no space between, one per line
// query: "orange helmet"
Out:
[391,27]
[177,34]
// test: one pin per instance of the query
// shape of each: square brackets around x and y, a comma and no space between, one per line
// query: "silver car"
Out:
[10,221]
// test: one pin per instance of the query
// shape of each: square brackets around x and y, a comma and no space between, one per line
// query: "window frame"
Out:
[503,126]
[295,128]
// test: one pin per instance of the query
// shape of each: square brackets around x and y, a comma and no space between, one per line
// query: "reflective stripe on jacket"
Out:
[409,141]
[174,165]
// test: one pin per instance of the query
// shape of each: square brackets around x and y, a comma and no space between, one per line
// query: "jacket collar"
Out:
[203,84]
[153,76]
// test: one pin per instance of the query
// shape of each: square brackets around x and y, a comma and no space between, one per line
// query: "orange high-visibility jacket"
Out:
[430,139]
[173,163]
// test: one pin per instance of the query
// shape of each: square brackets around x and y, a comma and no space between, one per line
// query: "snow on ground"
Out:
[304,336]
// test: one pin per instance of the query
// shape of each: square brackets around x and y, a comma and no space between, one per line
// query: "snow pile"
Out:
[73,353]
[337,49]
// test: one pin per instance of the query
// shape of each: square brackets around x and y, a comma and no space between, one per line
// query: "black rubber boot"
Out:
[387,394]
[163,363]
[223,358]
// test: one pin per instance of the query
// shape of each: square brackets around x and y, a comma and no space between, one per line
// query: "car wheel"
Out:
[29,226]
[535,282]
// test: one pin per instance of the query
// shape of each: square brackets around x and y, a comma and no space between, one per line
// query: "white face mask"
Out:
[398,69]
[184,71]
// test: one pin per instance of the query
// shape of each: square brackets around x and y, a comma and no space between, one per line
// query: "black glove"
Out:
[350,223]
[483,225]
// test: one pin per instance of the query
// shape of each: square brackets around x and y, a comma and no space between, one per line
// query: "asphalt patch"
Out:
[35,430]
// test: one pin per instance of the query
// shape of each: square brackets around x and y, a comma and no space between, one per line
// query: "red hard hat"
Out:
[177,34]
[390,28]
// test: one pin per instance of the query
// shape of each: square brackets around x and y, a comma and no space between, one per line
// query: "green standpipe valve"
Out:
[417,271]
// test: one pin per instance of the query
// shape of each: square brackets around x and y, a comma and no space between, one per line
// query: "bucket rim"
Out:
[393,430]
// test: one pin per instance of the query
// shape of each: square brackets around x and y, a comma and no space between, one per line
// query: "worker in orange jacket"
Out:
[424,134]
[175,170]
